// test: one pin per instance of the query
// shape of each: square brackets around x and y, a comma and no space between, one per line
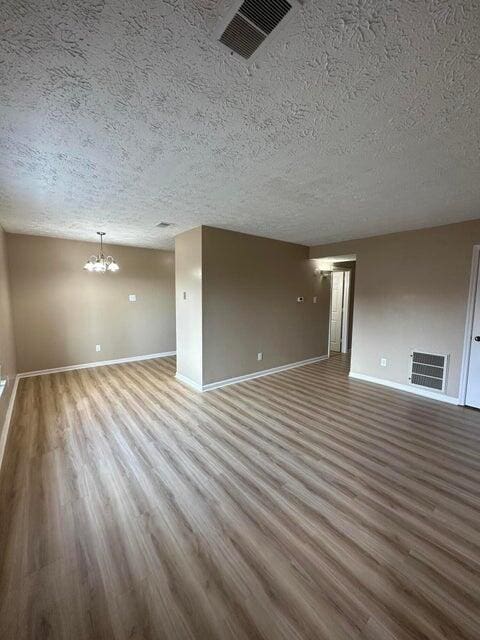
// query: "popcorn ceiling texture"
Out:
[361,117]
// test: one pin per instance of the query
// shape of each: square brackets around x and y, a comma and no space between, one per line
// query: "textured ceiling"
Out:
[362,117]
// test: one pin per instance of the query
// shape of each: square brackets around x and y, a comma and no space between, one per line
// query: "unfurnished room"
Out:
[240,320]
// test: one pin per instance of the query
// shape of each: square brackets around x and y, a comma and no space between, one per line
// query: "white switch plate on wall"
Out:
[383,362]
[260,356]
[98,347]
[132,297]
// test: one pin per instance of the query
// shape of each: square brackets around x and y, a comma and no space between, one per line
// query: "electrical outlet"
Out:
[260,356]
[132,297]
[98,347]
[383,362]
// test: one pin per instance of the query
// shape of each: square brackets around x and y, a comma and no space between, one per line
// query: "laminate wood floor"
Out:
[302,505]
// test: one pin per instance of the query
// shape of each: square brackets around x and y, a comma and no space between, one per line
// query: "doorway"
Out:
[338,274]
[337,336]
[471,364]
[341,306]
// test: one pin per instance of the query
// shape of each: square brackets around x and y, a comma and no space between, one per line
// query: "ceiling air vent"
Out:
[163,225]
[428,370]
[247,26]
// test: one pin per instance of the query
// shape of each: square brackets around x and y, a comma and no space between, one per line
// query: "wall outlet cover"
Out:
[98,347]
[132,297]
[383,362]
[260,356]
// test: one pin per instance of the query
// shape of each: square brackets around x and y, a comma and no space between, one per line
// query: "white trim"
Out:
[330,280]
[467,340]
[90,365]
[189,382]
[260,374]
[405,387]
[248,376]
[345,311]
[8,420]
[333,274]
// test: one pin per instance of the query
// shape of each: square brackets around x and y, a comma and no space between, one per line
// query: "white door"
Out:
[473,375]
[336,311]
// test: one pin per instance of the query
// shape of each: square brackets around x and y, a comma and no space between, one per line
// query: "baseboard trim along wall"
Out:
[90,365]
[248,376]
[8,418]
[190,383]
[432,395]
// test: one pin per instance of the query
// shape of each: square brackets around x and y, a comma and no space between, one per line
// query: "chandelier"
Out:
[100,263]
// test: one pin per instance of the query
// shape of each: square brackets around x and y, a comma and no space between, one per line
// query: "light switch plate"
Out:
[259,355]
[383,362]
[98,347]
[132,297]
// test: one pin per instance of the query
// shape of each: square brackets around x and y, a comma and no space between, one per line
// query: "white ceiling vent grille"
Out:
[428,370]
[247,27]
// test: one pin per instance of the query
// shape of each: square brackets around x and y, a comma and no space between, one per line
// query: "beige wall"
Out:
[188,291]
[7,343]
[411,292]
[250,288]
[61,311]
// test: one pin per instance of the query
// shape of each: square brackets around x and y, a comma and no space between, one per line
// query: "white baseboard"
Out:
[425,393]
[90,365]
[248,376]
[8,419]
[190,383]
[260,374]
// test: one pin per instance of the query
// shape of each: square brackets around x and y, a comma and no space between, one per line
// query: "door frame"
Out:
[330,311]
[345,311]
[467,341]
[330,279]
[347,273]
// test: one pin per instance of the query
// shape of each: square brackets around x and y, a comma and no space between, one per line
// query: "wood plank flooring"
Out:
[297,506]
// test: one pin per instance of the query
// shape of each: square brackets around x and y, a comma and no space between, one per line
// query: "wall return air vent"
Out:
[428,370]
[247,27]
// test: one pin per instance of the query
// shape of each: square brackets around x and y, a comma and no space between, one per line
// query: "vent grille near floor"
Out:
[428,370]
